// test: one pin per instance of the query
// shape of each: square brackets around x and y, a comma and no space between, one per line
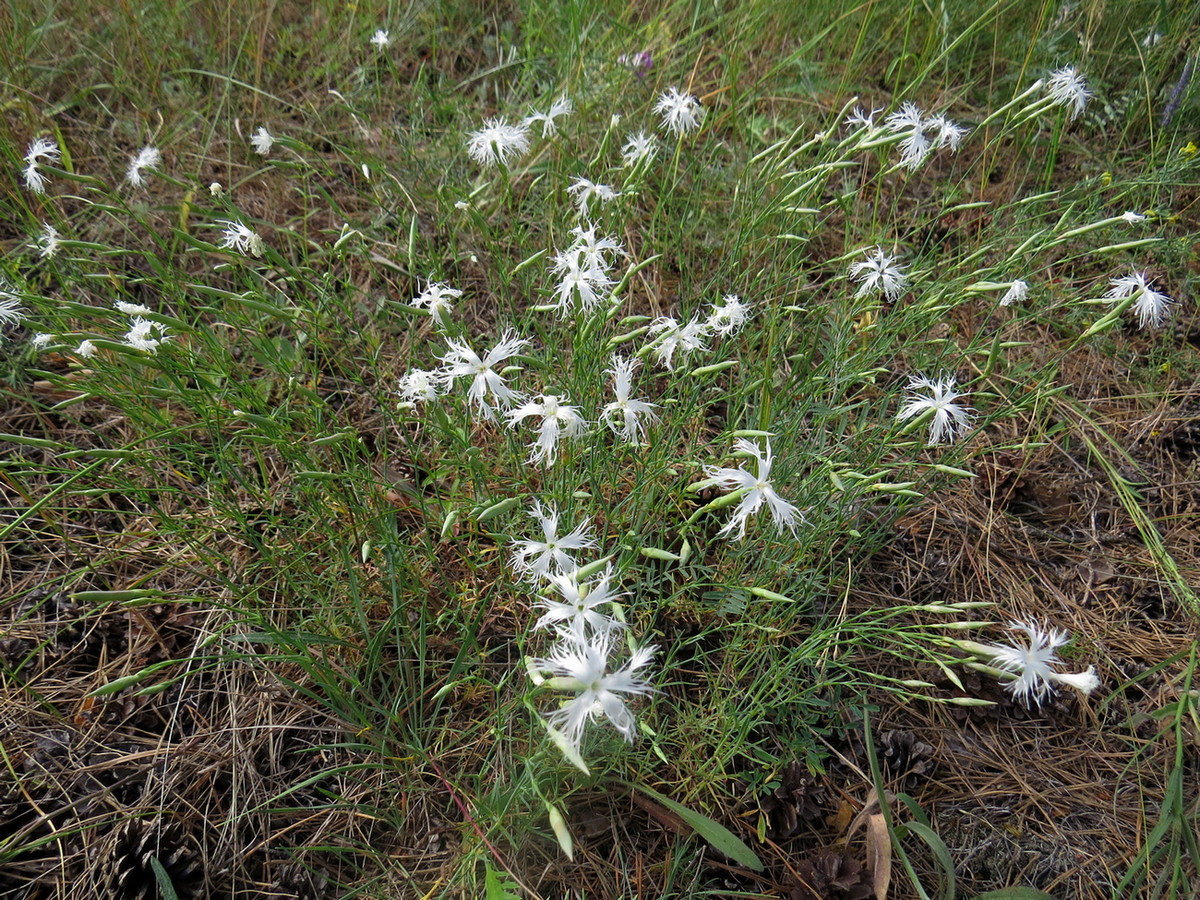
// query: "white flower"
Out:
[11,311]
[582,282]
[560,107]
[1152,308]
[419,386]
[584,190]
[47,242]
[860,118]
[86,350]
[671,338]
[147,158]
[591,249]
[436,297]
[1131,217]
[624,415]
[558,420]
[1016,293]
[551,555]
[497,142]
[729,317]
[1032,665]
[578,607]
[946,133]
[139,335]
[41,340]
[215,189]
[461,361]
[949,419]
[680,112]
[262,141]
[131,309]
[1067,87]
[879,274]
[41,150]
[757,489]
[638,148]
[241,238]
[915,146]
[381,39]
[582,666]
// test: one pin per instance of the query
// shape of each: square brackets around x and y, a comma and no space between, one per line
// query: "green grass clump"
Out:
[216,437]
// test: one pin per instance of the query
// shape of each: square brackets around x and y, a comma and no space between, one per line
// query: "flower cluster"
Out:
[582,270]
[576,611]
[921,135]
[671,337]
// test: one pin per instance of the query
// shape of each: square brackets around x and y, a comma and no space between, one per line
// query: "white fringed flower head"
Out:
[11,311]
[497,142]
[419,386]
[39,151]
[1016,293]
[558,420]
[584,191]
[262,141]
[560,107]
[729,317]
[437,298]
[1150,306]
[85,350]
[1067,87]
[577,606]
[47,242]
[381,39]
[638,148]
[240,237]
[1032,664]
[147,158]
[757,488]
[461,361]
[582,666]
[680,112]
[552,555]
[670,338]
[140,335]
[582,270]
[949,419]
[861,118]
[879,274]
[909,121]
[945,133]
[625,415]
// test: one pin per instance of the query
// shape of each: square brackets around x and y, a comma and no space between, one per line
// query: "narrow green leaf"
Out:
[717,835]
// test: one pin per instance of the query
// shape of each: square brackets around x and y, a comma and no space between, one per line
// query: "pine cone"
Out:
[124,870]
[797,801]
[295,882]
[904,757]
[831,876]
